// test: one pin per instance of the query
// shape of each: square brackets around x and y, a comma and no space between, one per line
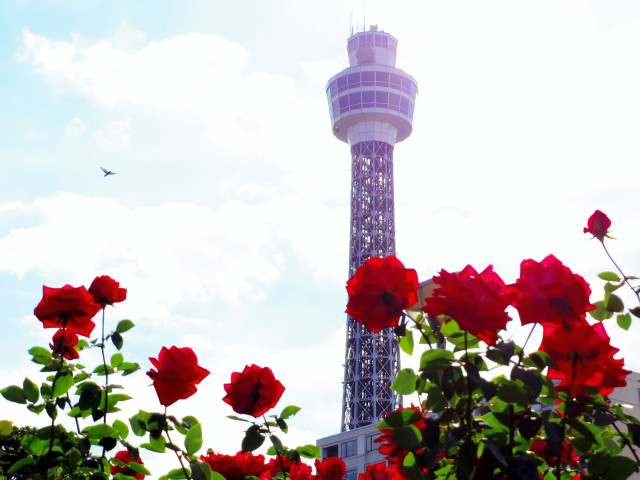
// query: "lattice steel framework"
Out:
[371,360]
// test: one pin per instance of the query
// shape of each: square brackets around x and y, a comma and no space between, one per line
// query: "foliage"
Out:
[487,408]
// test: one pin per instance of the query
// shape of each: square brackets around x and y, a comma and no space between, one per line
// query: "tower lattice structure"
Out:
[371,105]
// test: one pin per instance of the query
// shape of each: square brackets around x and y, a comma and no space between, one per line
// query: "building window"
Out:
[349,449]
[351,474]
[370,445]
[330,451]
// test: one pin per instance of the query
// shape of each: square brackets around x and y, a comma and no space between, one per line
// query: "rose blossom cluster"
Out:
[241,465]
[547,293]
[71,310]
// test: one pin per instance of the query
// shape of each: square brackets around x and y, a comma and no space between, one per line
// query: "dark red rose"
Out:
[476,301]
[332,468]
[567,454]
[124,457]
[598,225]
[254,391]
[584,359]
[549,293]
[380,471]
[69,308]
[177,376]
[379,291]
[63,343]
[106,291]
[295,471]
[238,466]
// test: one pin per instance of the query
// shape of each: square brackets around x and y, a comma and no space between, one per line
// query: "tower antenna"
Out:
[351,21]
[364,15]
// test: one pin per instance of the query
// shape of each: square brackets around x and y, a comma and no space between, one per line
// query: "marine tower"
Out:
[371,106]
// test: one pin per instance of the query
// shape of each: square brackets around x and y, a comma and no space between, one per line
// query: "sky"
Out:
[227,219]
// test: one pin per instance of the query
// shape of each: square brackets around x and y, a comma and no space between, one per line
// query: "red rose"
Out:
[584,359]
[567,454]
[106,291]
[177,376]
[236,467]
[295,471]
[379,291]
[69,308]
[63,343]
[332,468]
[476,301]
[598,225]
[549,293]
[380,471]
[124,457]
[253,392]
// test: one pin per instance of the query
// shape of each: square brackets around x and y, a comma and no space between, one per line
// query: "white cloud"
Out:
[115,134]
[74,128]
[173,252]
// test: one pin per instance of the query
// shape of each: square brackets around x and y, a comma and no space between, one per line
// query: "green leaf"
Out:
[155,444]
[234,417]
[277,444]
[40,355]
[624,321]
[614,304]
[6,427]
[138,468]
[400,418]
[435,359]
[122,428]
[28,460]
[32,445]
[116,360]
[14,394]
[408,438]
[406,342]
[405,382]
[252,439]
[201,470]
[193,440]
[288,412]
[635,311]
[600,313]
[309,451]
[174,474]
[282,425]
[609,276]
[124,326]
[30,390]
[96,432]
[117,341]
[62,384]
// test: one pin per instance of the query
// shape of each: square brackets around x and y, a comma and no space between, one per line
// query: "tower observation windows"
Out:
[370,78]
[373,99]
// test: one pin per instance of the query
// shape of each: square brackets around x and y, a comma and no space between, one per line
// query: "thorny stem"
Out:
[106,371]
[626,280]
[469,388]
[106,379]
[184,469]
[75,418]
[53,387]
[626,442]
[284,470]
[563,423]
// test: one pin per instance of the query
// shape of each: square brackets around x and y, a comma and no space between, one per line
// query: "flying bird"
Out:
[107,172]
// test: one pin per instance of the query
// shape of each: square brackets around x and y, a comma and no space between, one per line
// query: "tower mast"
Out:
[371,106]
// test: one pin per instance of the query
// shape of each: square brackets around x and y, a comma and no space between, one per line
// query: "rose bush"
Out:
[545,414]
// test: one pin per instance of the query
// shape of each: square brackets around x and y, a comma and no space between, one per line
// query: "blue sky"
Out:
[228,217]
